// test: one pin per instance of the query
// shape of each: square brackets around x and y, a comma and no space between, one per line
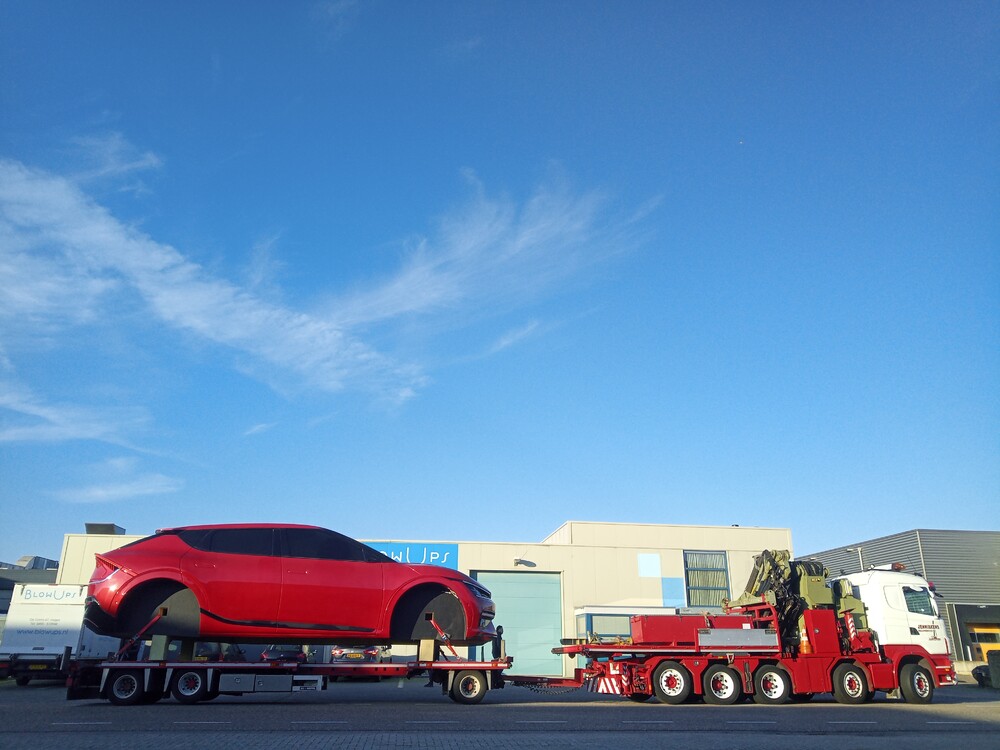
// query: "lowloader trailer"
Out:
[126,681]
[794,633]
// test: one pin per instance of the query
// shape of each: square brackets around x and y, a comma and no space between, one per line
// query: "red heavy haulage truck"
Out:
[794,633]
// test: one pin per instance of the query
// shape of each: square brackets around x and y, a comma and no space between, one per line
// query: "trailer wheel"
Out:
[915,684]
[722,685]
[771,686]
[468,687]
[125,688]
[850,685]
[671,683]
[190,686]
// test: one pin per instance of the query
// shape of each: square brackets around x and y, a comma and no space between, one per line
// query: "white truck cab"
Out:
[900,608]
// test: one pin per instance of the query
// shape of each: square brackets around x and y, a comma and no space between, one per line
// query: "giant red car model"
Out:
[270,582]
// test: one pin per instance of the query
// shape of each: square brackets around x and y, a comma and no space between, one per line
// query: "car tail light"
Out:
[371,651]
[337,652]
[104,570]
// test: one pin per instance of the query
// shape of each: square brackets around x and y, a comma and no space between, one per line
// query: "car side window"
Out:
[258,542]
[322,544]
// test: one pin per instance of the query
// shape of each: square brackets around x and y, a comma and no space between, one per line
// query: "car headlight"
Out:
[478,591]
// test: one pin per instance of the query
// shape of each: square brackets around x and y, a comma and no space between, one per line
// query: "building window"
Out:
[707,578]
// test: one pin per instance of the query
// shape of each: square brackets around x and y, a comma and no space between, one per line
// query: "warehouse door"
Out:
[529,606]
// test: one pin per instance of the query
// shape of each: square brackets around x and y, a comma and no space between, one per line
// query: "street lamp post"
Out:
[861,560]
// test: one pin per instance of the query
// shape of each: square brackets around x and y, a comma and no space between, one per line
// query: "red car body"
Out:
[265,582]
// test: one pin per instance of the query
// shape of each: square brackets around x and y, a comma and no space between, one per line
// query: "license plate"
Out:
[354,656]
[38,666]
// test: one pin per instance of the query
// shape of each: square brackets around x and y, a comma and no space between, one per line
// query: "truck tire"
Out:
[850,686]
[671,683]
[125,687]
[469,687]
[722,685]
[190,686]
[771,686]
[916,684]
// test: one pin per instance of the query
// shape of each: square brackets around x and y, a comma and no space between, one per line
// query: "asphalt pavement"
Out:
[406,714]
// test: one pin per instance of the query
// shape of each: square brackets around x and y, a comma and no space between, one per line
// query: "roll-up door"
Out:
[529,606]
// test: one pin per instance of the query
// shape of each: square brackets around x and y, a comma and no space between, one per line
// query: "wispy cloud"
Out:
[67,262]
[492,254]
[142,486]
[53,226]
[111,155]
[513,337]
[259,428]
[28,418]
[117,479]
[336,17]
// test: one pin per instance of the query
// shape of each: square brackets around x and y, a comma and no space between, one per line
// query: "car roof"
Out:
[205,527]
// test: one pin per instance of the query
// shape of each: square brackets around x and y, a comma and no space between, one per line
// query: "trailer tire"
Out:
[771,686]
[722,685]
[671,683]
[190,686]
[916,684]
[125,687]
[469,687]
[850,686]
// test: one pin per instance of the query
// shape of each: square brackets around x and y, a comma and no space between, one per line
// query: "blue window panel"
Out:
[673,592]
[529,606]
[649,565]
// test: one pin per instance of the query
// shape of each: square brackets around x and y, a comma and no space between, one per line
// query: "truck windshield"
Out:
[918,601]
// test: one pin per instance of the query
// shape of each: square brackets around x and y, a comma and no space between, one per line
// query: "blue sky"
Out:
[465,271]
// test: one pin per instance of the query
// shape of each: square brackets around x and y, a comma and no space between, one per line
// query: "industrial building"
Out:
[964,567]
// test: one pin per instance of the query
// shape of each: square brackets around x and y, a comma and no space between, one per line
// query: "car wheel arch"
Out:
[144,596]
[408,609]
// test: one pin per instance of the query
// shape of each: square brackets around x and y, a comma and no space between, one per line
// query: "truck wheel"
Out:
[722,685]
[468,687]
[771,686]
[850,685]
[190,686]
[125,688]
[671,683]
[915,684]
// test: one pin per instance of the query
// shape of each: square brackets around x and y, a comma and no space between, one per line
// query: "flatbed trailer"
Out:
[127,683]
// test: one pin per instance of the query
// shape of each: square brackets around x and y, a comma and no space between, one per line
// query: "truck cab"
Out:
[900,608]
